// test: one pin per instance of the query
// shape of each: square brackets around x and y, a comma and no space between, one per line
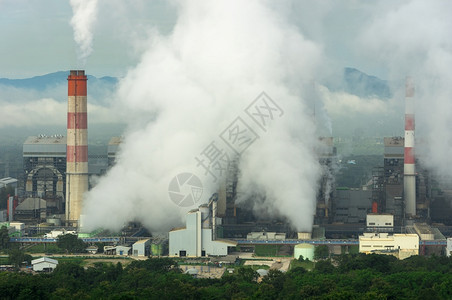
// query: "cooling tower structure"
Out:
[77,146]
[409,172]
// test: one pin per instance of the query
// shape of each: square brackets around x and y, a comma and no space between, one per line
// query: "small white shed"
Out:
[44,264]
[141,248]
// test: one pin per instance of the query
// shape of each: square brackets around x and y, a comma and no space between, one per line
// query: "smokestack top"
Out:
[77,83]
[77,73]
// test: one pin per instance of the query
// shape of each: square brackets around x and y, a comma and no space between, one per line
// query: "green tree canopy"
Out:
[18,258]
[321,252]
[4,238]
[71,243]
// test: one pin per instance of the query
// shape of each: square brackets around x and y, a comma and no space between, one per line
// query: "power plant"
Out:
[396,200]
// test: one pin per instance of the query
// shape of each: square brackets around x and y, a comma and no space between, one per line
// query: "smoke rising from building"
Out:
[82,22]
[187,89]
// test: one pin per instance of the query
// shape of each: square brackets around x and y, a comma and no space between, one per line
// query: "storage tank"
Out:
[306,250]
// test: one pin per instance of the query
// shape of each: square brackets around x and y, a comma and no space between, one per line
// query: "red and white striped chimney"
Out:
[77,146]
[409,171]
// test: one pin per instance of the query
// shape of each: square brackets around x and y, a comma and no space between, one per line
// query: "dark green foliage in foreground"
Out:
[71,243]
[4,238]
[18,258]
[347,277]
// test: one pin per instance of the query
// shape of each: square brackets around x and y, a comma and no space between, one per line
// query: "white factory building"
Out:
[449,247]
[141,248]
[44,264]
[197,238]
[380,222]
[399,245]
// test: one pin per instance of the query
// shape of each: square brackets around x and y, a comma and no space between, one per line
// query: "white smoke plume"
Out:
[82,22]
[413,38]
[187,89]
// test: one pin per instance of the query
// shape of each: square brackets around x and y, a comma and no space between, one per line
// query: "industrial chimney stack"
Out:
[77,146]
[409,177]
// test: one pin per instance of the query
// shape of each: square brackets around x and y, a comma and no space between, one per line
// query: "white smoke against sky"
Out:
[188,87]
[82,22]
[26,108]
[413,38]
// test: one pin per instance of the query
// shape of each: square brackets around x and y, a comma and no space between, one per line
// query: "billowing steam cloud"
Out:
[187,89]
[399,39]
[82,22]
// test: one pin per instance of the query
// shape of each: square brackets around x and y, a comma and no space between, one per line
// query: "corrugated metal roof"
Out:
[141,241]
[45,140]
[116,140]
[32,204]
[7,180]
[394,141]
[45,146]
[43,259]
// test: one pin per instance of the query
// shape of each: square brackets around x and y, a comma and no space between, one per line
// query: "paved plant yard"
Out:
[91,262]
[281,264]
[205,271]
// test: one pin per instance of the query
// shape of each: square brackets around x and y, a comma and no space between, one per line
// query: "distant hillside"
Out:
[365,86]
[354,82]
[43,82]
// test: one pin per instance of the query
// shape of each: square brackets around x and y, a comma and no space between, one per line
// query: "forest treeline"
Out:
[345,277]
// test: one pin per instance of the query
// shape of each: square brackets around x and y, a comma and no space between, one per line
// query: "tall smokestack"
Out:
[409,175]
[77,146]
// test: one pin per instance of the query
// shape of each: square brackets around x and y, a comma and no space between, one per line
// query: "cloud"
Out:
[48,112]
[344,104]
[187,89]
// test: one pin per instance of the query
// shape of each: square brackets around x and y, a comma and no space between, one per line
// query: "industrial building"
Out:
[44,264]
[449,247]
[427,234]
[351,205]
[31,209]
[327,159]
[44,162]
[112,150]
[198,238]
[266,236]
[399,245]
[380,223]
[141,248]
[8,182]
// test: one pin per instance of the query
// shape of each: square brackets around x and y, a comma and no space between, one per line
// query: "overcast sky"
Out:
[37,37]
